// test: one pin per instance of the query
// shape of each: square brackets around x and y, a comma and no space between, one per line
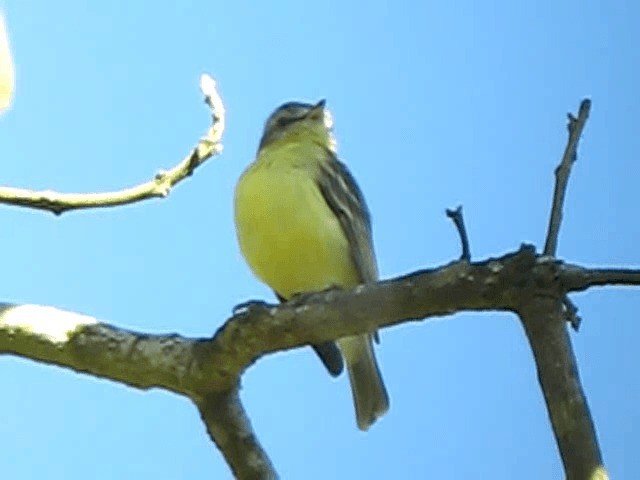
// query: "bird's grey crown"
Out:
[284,115]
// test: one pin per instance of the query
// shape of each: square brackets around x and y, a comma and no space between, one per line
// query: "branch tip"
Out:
[575,127]
[59,203]
[571,314]
[458,220]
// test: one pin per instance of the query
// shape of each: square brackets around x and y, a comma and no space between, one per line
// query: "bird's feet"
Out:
[303,298]
[249,306]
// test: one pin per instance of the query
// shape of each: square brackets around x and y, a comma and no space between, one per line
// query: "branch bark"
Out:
[575,127]
[577,279]
[558,376]
[229,427]
[544,317]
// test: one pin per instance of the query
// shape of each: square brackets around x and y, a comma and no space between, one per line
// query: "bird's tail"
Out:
[370,396]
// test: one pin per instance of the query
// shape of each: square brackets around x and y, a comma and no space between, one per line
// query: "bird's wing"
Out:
[342,194]
[345,199]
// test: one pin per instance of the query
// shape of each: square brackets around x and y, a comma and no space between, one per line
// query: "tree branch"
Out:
[458,220]
[81,343]
[229,427]
[575,127]
[208,370]
[194,367]
[159,186]
[558,375]
[577,279]
[544,317]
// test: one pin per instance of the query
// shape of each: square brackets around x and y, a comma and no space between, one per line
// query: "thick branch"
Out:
[195,367]
[230,429]
[81,343]
[494,284]
[575,126]
[208,370]
[558,376]
[159,186]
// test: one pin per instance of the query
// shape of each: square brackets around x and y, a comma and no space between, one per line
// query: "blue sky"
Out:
[436,104]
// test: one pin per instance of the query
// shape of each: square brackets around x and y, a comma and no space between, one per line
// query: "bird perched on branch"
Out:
[303,226]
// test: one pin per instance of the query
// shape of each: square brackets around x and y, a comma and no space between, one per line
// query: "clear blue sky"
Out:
[435,104]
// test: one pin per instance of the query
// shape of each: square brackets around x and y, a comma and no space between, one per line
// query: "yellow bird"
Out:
[303,226]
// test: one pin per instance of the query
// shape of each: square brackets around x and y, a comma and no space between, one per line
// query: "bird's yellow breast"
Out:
[287,233]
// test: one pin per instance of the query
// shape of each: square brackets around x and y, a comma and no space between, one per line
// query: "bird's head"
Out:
[296,121]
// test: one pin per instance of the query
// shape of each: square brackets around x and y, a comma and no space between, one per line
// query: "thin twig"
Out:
[458,220]
[158,187]
[575,278]
[575,127]
[571,313]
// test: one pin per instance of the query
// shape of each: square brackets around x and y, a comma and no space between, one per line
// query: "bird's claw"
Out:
[247,307]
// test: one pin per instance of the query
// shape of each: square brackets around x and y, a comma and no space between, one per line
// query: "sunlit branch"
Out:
[159,186]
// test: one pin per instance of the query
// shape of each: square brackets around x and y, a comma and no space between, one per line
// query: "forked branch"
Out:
[544,318]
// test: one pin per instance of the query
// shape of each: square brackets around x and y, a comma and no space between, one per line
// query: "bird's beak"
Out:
[317,111]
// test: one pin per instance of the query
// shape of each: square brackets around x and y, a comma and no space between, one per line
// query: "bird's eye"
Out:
[284,121]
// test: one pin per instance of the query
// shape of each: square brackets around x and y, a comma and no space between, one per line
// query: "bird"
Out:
[303,226]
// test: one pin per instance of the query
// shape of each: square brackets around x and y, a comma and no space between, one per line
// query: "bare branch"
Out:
[544,319]
[570,313]
[81,343]
[159,186]
[575,126]
[171,362]
[208,370]
[230,429]
[458,220]
[575,278]
[195,367]
[558,376]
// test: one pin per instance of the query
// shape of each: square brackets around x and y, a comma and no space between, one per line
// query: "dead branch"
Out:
[158,187]
[544,319]
[575,127]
